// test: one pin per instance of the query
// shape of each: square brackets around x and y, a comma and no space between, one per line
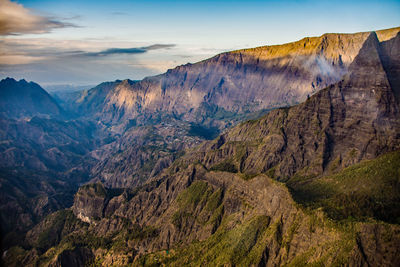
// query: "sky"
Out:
[54,42]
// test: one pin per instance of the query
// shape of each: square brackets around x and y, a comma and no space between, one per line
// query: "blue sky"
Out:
[53,45]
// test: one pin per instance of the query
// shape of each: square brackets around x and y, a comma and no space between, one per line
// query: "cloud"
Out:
[18,59]
[134,50]
[15,51]
[57,61]
[16,19]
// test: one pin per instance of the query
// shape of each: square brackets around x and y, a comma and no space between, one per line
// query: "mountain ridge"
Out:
[20,98]
[239,81]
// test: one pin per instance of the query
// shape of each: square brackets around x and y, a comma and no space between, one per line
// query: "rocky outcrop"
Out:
[90,202]
[220,218]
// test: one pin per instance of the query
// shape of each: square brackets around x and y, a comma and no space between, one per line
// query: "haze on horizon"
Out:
[88,42]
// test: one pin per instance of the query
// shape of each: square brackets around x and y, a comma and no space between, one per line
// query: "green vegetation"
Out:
[96,189]
[137,232]
[225,166]
[241,246]
[195,193]
[56,226]
[368,189]
[200,197]
[87,239]
[248,176]
[215,200]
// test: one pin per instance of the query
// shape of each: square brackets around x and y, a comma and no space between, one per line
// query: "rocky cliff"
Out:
[354,119]
[215,94]
[234,82]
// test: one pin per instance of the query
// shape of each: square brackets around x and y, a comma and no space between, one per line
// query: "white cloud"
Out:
[16,19]
[18,59]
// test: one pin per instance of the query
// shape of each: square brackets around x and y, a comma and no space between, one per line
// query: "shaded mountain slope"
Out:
[45,144]
[23,99]
[43,157]
[42,163]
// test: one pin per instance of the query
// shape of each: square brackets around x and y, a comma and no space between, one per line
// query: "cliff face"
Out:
[217,93]
[238,81]
[89,202]
[355,119]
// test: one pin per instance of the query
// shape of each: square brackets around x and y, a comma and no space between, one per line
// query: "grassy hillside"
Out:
[370,188]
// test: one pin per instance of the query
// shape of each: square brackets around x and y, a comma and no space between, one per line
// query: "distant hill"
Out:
[22,99]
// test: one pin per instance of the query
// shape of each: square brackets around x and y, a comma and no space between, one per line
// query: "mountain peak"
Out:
[23,99]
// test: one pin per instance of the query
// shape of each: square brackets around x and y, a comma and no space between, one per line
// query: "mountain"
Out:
[354,119]
[85,101]
[313,184]
[213,91]
[166,102]
[20,99]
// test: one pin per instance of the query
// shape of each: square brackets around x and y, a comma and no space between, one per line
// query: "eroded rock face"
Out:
[216,92]
[90,202]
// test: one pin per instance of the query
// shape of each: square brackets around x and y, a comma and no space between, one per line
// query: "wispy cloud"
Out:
[133,50]
[53,61]
[21,51]
[15,19]
[117,13]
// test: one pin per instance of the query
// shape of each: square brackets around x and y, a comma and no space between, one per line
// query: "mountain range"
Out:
[277,155]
